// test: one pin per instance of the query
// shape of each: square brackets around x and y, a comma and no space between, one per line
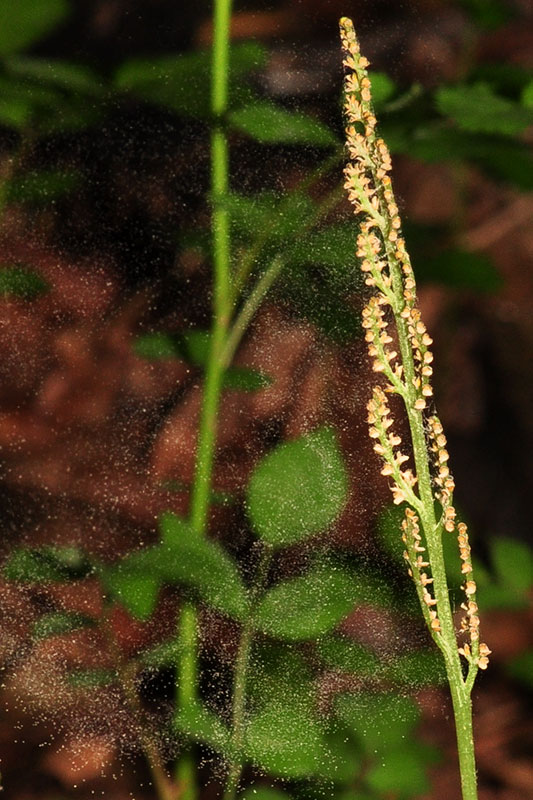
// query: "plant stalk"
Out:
[187,677]
[387,267]
[241,675]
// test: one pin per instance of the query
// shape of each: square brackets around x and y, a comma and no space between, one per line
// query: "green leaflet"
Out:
[298,489]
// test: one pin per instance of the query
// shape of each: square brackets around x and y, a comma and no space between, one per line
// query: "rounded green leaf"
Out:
[380,721]
[402,772]
[307,606]
[285,739]
[299,489]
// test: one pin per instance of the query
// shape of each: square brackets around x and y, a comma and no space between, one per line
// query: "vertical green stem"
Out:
[221,263]
[238,715]
[462,710]
[240,677]
[187,676]
[462,705]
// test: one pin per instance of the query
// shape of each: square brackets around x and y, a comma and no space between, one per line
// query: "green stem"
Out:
[240,678]
[462,710]
[187,673]
[433,534]
[238,716]
[249,308]
[268,277]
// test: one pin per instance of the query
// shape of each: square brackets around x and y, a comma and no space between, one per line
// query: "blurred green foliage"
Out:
[364,745]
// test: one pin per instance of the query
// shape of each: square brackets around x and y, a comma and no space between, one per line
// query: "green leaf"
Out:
[401,771]
[488,14]
[507,79]
[196,345]
[342,763]
[246,379]
[264,793]
[157,345]
[479,110]
[277,670]
[501,158]
[91,678]
[462,269]
[270,124]
[57,623]
[165,654]
[59,74]
[203,564]
[317,296]
[493,595]
[136,591]
[181,83]
[192,346]
[19,281]
[527,95]
[383,88]
[521,668]
[341,653]
[41,187]
[298,489]
[306,607]
[513,563]
[332,248]
[389,533]
[200,724]
[26,21]
[417,669]
[279,215]
[47,565]
[380,721]
[285,739]
[45,109]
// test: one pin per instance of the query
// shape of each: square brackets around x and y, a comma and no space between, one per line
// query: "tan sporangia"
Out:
[399,347]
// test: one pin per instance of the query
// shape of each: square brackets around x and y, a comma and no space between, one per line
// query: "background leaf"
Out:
[342,653]
[42,187]
[202,564]
[58,623]
[136,591]
[307,606]
[180,82]
[46,565]
[380,721]
[461,269]
[65,75]
[285,739]
[270,124]
[521,668]
[197,722]
[383,88]
[402,771]
[26,21]
[20,281]
[245,379]
[298,489]
[513,563]
[479,110]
